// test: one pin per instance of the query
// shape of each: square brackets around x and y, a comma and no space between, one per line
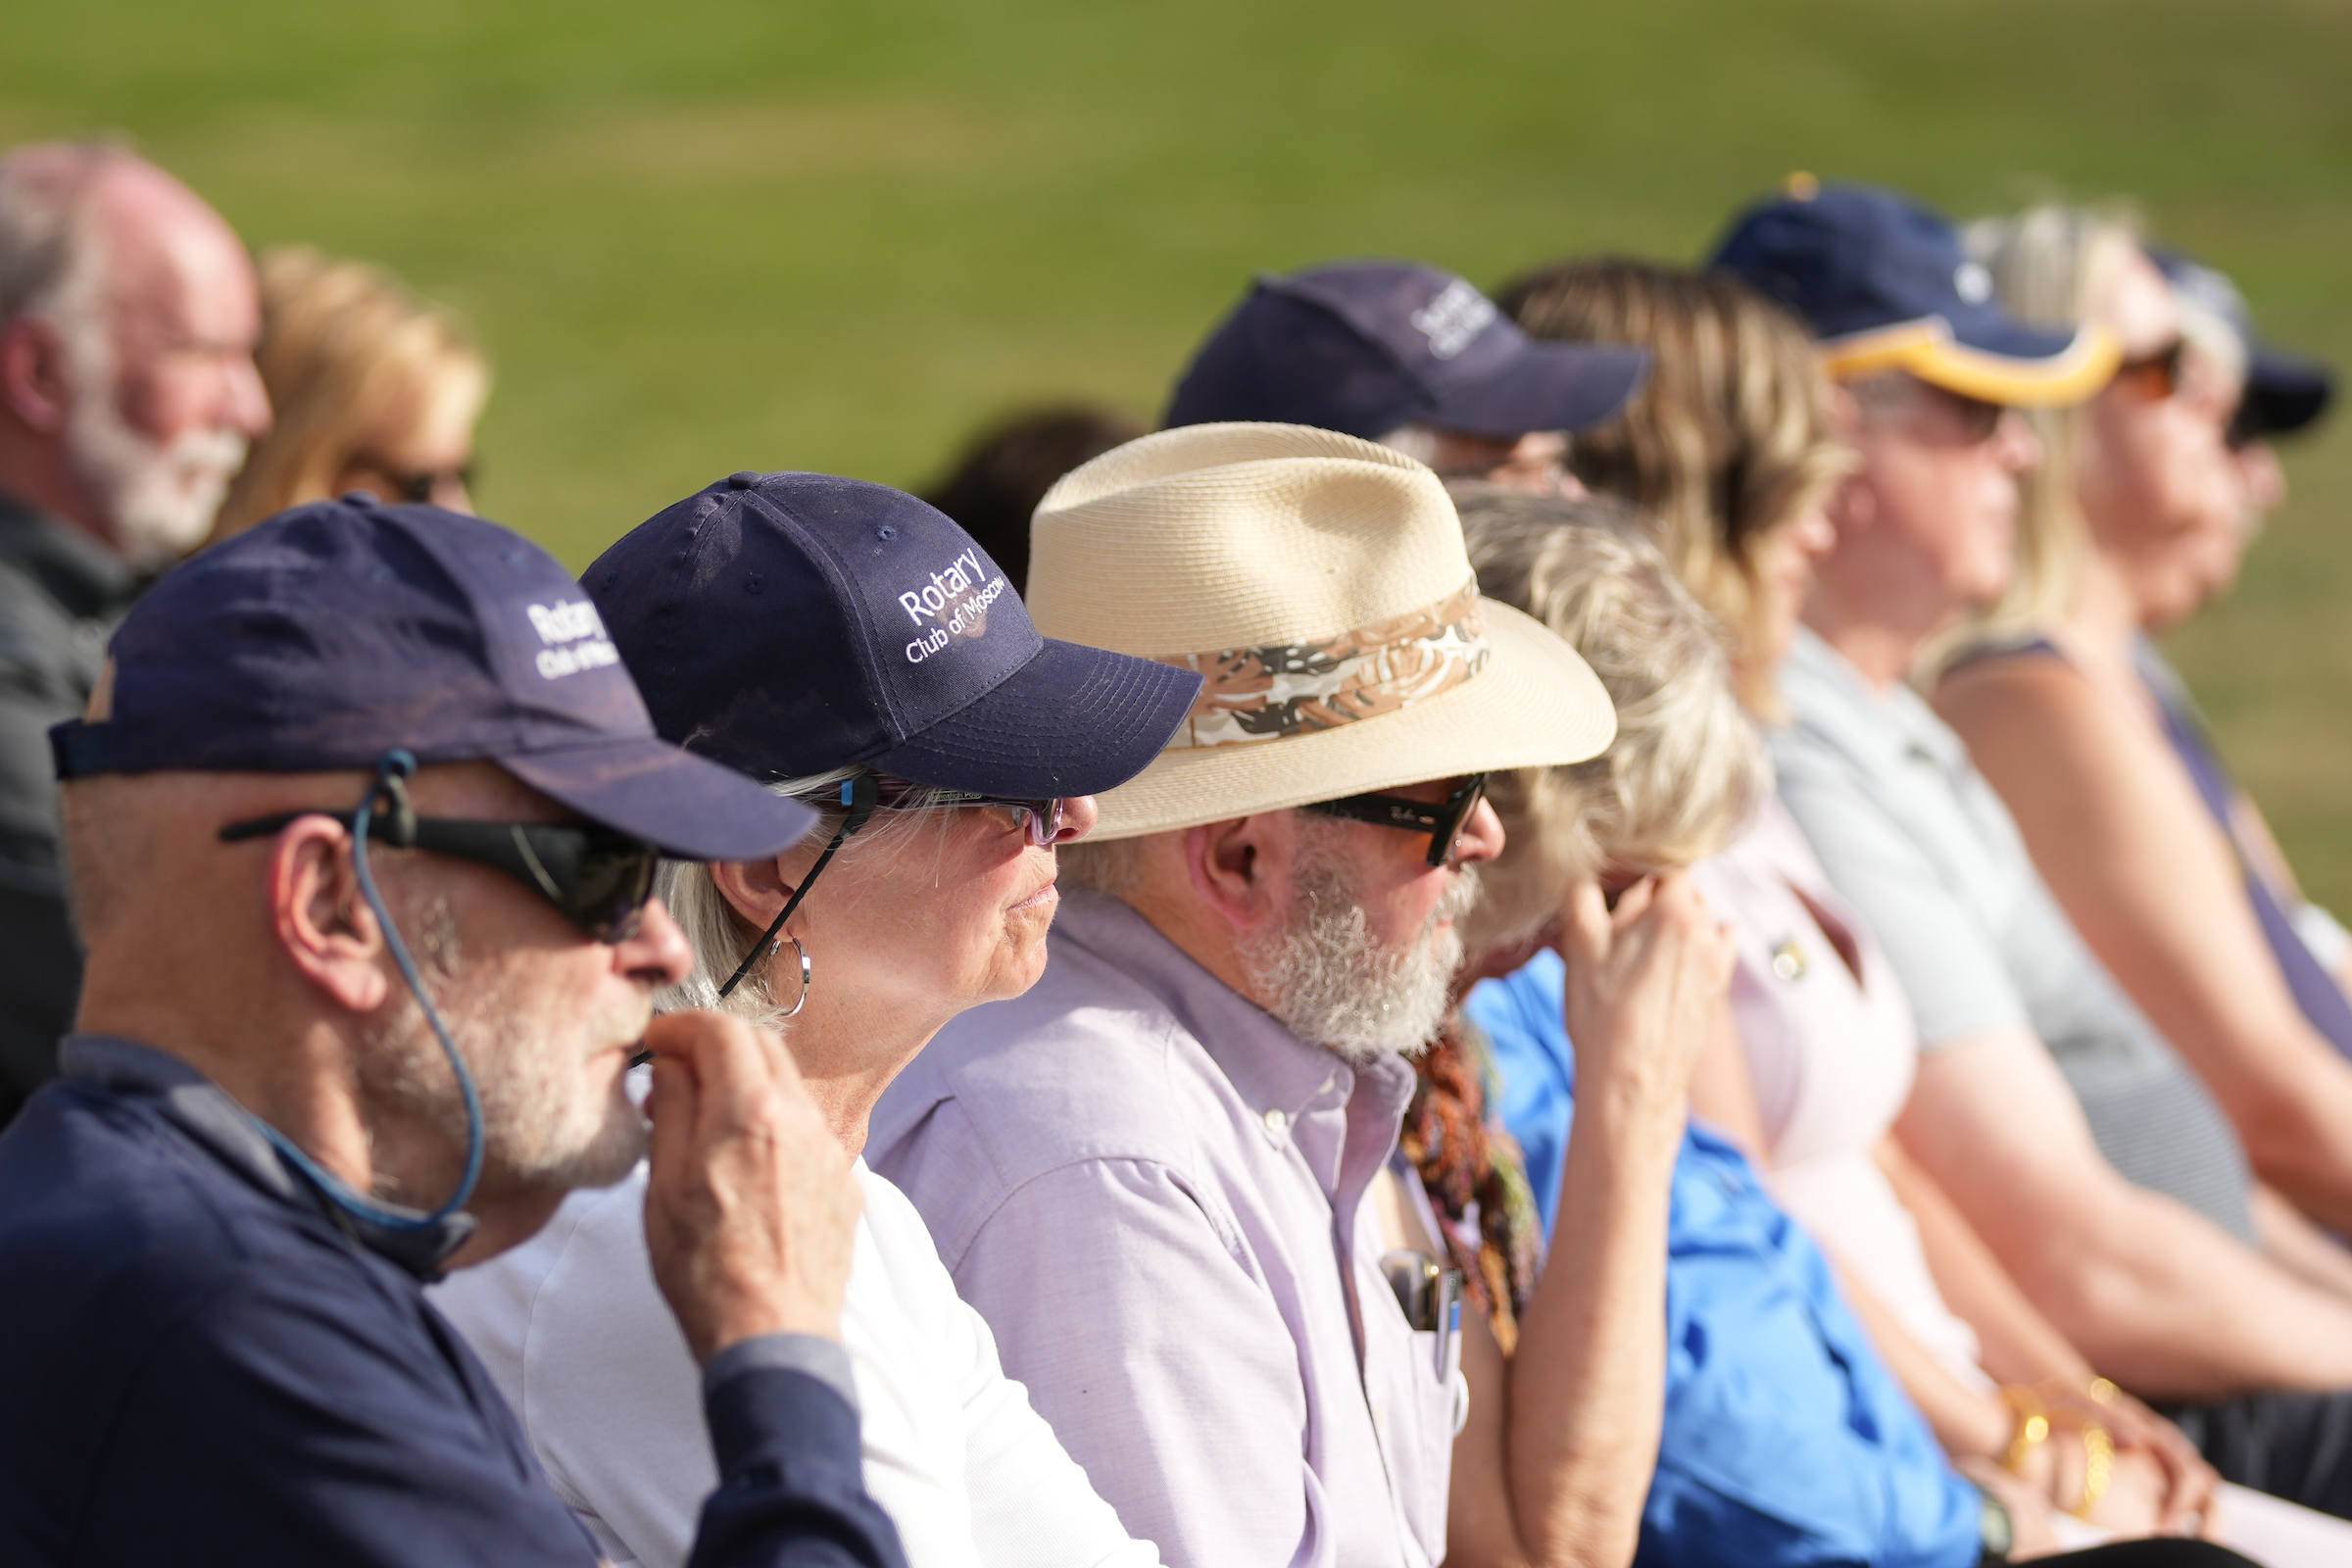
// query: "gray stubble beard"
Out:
[1332,982]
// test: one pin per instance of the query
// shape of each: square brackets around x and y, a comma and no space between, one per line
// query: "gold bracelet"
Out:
[2032,1425]
[2098,1467]
[2097,1389]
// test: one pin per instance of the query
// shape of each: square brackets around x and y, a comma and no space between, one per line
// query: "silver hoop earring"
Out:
[777,946]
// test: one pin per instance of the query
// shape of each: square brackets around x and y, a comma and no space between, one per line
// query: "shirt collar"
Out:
[1830,698]
[72,565]
[205,1113]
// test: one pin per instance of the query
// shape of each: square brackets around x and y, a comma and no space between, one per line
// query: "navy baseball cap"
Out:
[334,633]
[1884,285]
[2283,391]
[787,624]
[1365,346]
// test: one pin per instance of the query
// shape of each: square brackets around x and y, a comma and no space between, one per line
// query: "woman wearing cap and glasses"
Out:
[845,644]
[2149,495]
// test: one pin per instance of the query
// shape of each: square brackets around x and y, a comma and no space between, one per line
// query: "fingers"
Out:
[1584,919]
[750,1207]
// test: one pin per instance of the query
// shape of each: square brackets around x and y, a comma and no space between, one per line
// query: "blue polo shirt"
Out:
[1787,1442]
[201,1362]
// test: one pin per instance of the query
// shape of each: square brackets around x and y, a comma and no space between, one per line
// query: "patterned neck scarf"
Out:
[1475,1177]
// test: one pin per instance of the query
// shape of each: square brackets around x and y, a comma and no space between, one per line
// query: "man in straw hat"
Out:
[1151,1173]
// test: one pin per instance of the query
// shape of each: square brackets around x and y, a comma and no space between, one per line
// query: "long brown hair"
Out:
[1729,439]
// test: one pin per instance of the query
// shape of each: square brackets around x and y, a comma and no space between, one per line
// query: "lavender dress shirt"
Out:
[1154,1193]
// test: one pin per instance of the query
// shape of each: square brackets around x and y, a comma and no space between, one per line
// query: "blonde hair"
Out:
[1729,439]
[1687,766]
[718,932]
[2046,262]
[343,349]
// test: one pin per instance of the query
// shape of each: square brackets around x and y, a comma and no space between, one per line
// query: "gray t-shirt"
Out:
[1912,835]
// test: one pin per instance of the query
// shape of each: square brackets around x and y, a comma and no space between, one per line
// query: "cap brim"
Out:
[1989,357]
[2285,394]
[1537,704]
[687,807]
[1073,721]
[1552,386]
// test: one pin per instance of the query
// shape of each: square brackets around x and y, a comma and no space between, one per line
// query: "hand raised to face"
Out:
[751,1213]
[1644,983]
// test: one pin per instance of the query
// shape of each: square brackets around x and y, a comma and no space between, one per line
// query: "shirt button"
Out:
[1276,1122]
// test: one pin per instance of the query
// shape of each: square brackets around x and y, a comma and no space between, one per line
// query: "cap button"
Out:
[360,497]
[746,480]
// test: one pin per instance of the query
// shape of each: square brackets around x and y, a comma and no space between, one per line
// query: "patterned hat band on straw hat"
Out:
[1273,692]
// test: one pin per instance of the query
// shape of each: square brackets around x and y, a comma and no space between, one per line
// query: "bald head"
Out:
[128,316]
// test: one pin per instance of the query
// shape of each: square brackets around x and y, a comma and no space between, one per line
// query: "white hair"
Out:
[159,499]
[718,933]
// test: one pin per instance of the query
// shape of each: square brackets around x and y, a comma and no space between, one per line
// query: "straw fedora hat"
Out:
[1319,585]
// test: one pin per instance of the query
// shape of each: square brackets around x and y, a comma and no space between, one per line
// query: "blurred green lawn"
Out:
[716,234]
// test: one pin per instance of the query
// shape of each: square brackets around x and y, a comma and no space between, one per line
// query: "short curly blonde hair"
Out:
[1688,767]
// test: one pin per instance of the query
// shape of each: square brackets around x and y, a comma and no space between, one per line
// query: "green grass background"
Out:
[715,234]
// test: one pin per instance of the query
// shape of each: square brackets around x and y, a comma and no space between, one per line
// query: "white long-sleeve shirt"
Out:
[577,1335]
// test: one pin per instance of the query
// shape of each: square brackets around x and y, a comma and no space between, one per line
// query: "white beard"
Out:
[160,498]
[1334,984]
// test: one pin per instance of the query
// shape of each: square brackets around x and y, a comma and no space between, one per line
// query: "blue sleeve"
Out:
[791,1483]
[1535,1067]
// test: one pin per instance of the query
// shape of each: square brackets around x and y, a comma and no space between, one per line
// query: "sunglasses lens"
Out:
[1459,806]
[609,896]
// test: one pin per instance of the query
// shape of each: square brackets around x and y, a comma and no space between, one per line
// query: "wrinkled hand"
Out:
[1644,983]
[2177,1485]
[2029,1509]
[750,1211]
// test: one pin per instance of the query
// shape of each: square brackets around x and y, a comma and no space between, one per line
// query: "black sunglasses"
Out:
[1442,822]
[1979,420]
[1039,819]
[2152,378]
[601,880]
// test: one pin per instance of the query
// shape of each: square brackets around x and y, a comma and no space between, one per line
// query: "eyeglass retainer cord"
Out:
[391,785]
[860,795]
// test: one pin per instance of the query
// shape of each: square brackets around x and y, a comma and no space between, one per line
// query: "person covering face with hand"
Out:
[845,645]
[1152,1173]
[362,825]
[127,395]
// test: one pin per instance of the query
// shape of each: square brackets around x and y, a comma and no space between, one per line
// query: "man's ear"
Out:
[33,377]
[1846,413]
[1240,869]
[321,919]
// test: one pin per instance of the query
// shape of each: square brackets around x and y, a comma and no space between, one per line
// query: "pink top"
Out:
[1831,1049]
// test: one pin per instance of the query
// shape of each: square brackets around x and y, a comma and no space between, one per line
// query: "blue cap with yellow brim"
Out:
[1884,285]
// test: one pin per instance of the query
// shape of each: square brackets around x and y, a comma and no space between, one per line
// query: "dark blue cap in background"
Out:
[336,632]
[787,624]
[2283,391]
[1367,347]
[1884,285]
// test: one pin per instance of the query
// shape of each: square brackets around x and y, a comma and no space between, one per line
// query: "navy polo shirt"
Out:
[200,1364]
